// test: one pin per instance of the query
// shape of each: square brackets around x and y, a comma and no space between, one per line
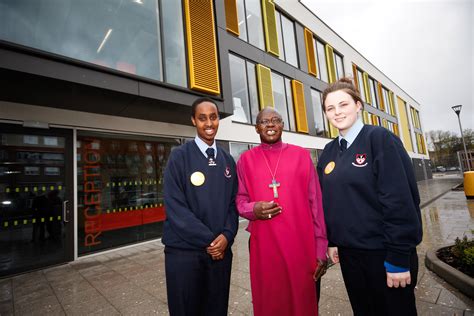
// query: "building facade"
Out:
[94,96]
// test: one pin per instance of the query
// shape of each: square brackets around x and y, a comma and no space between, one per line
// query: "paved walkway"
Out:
[131,281]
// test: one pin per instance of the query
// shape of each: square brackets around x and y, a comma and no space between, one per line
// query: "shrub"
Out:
[460,255]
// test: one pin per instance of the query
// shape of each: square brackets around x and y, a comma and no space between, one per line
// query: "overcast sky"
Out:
[425,46]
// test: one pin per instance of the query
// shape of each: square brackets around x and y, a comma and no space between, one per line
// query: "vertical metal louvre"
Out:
[202,49]
[231,17]
[331,63]
[299,106]
[264,83]
[269,23]
[310,52]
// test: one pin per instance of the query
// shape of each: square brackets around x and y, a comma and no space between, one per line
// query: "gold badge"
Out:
[329,167]
[197,178]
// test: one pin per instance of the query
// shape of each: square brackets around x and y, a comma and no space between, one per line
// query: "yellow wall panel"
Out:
[310,52]
[368,98]
[202,49]
[405,130]
[299,106]
[381,100]
[270,27]
[396,131]
[264,83]
[391,100]
[365,117]
[330,63]
[354,74]
[333,132]
[375,120]
[231,16]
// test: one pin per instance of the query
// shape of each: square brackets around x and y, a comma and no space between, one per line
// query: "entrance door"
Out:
[36,200]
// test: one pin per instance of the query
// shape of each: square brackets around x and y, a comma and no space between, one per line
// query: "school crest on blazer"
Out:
[360,160]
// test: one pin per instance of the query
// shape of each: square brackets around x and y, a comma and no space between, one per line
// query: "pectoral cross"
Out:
[274,185]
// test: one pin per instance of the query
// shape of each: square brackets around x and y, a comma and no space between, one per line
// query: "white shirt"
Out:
[203,146]
[352,133]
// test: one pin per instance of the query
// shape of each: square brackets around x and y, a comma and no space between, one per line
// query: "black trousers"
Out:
[366,283]
[196,284]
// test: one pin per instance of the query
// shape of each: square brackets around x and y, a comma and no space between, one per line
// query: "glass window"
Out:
[255,23]
[280,38]
[174,51]
[279,97]
[360,80]
[289,41]
[318,72]
[122,35]
[373,91]
[385,99]
[252,79]
[339,66]
[318,113]
[289,101]
[239,85]
[322,61]
[120,189]
[237,149]
[242,18]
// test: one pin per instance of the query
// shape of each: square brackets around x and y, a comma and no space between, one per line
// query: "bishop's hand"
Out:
[266,210]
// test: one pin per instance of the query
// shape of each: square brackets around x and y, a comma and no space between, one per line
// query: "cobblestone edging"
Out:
[459,280]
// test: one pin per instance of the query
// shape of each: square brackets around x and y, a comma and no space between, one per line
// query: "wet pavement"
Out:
[130,281]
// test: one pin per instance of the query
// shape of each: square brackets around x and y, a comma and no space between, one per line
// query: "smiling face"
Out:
[206,120]
[269,126]
[341,110]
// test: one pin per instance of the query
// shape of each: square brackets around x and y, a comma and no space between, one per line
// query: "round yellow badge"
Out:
[197,178]
[329,167]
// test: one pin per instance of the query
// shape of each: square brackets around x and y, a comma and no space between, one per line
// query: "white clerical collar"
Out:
[203,146]
[352,132]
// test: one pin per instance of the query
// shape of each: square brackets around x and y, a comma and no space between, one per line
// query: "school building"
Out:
[95,94]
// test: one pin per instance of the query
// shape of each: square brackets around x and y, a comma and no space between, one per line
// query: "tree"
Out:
[444,145]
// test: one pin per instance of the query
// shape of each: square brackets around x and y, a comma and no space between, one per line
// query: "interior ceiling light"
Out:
[104,40]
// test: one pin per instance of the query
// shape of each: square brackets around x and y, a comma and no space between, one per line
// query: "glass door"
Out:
[36,218]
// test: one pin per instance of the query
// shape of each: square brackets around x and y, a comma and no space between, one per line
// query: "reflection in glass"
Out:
[239,89]
[254,23]
[279,98]
[385,100]
[322,61]
[237,149]
[173,42]
[373,91]
[318,72]
[120,190]
[289,100]
[360,80]
[280,38]
[318,113]
[339,66]
[32,189]
[121,35]
[241,15]
[289,41]
[252,79]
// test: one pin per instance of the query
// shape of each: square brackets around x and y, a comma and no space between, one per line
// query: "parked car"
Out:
[440,169]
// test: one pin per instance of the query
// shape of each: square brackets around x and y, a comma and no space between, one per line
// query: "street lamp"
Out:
[457,110]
